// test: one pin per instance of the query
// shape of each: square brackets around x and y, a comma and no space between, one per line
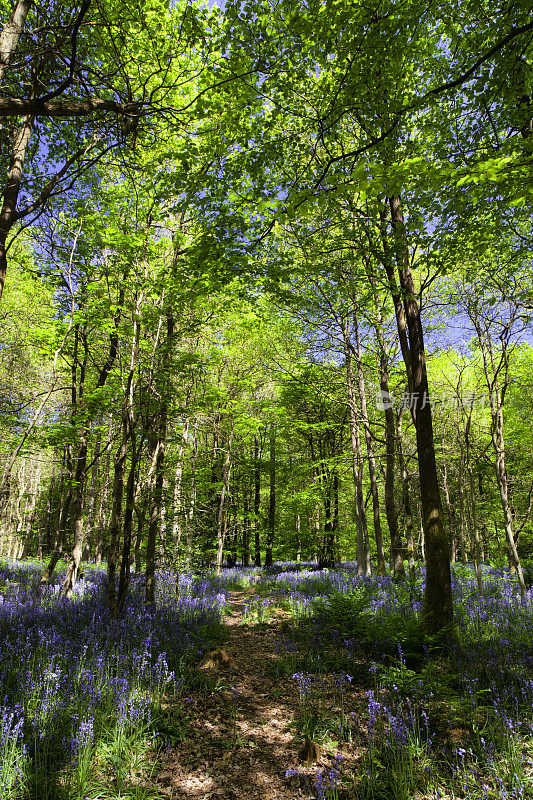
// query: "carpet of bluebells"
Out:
[447,717]
[406,716]
[78,689]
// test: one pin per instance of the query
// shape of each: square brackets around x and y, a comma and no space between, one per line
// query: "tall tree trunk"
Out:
[93,492]
[77,515]
[503,487]
[257,504]
[272,499]
[192,502]
[177,504]
[17,512]
[390,442]
[81,460]
[462,508]
[399,311]
[157,496]
[245,523]
[102,500]
[492,373]
[370,449]
[125,561]
[114,525]
[406,502]
[64,516]
[363,555]
[30,514]
[438,601]
[449,508]
[222,508]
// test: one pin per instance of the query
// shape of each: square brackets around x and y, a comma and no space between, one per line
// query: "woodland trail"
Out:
[238,742]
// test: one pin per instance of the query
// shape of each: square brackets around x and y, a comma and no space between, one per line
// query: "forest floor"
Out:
[240,737]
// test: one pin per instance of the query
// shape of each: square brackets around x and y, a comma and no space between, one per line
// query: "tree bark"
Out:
[157,496]
[114,525]
[438,601]
[8,213]
[81,459]
[222,508]
[390,441]
[406,502]
[177,504]
[492,373]
[272,499]
[245,523]
[380,555]
[9,38]
[363,555]
[257,504]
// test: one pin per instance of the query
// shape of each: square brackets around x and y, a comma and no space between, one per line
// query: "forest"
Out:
[266,390]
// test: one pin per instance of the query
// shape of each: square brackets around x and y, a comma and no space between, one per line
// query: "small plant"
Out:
[257,610]
[398,763]
[12,754]
[340,683]
[312,703]
[327,781]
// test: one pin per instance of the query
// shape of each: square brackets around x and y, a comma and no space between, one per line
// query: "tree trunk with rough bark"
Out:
[272,499]
[378,536]
[157,495]
[222,508]
[406,501]
[438,600]
[257,504]
[363,555]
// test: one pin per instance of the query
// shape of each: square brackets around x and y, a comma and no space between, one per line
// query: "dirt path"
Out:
[239,739]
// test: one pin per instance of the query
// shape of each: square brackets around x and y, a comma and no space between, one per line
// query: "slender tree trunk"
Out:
[370,450]
[114,525]
[30,515]
[421,537]
[484,535]
[390,441]
[449,508]
[503,487]
[245,523]
[406,502]
[497,437]
[102,500]
[438,601]
[81,460]
[77,505]
[177,504]
[462,508]
[17,513]
[64,516]
[478,556]
[140,513]
[157,497]
[92,493]
[257,505]
[272,499]
[125,562]
[222,508]
[49,509]
[399,312]
[363,555]
[192,503]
